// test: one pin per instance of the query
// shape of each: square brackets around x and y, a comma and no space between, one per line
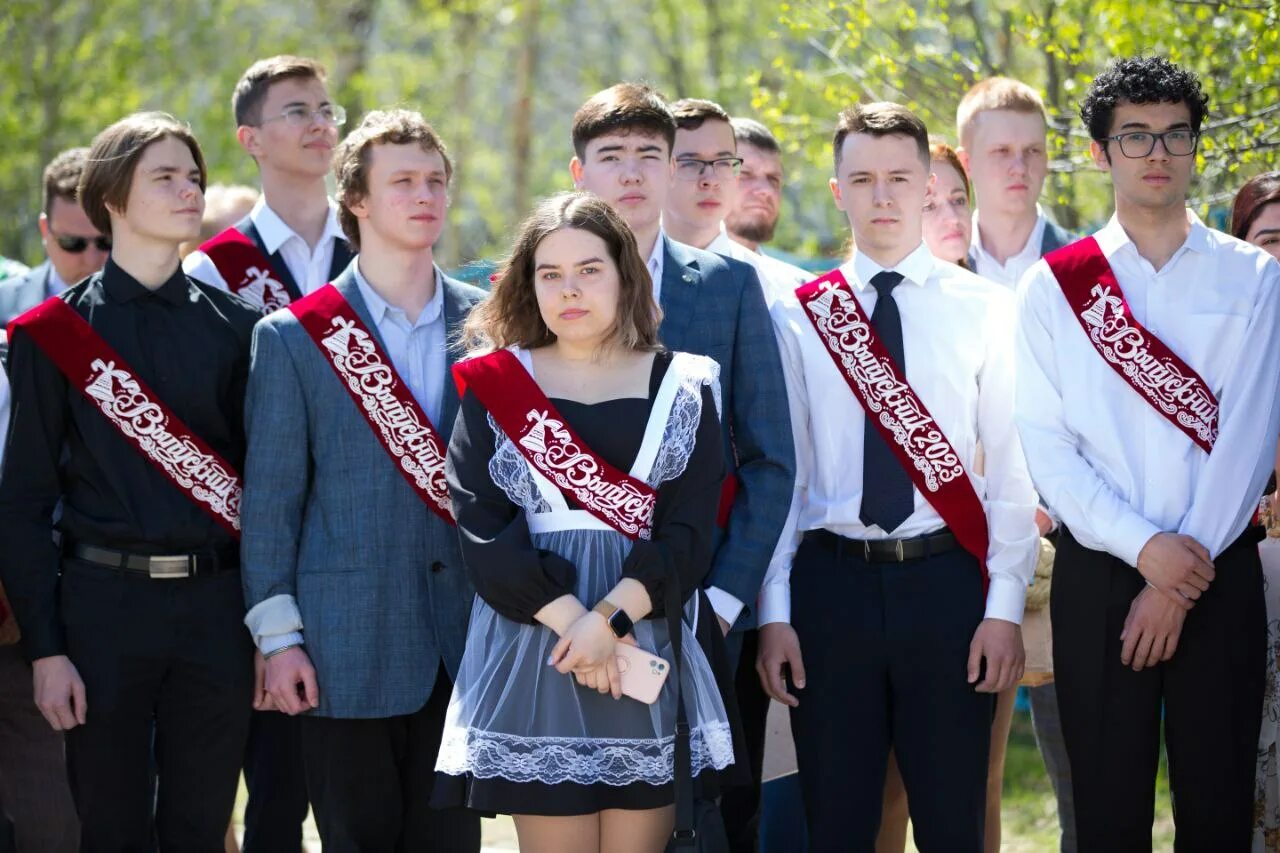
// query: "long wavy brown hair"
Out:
[510,316]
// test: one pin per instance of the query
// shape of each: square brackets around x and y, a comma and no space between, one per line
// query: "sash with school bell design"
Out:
[541,434]
[95,370]
[380,395]
[246,270]
[1144,361]
[900,416]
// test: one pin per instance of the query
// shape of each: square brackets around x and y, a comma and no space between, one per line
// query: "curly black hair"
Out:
[1141,80]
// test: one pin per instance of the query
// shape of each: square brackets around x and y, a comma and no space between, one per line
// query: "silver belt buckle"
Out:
[897,549]
[167,568]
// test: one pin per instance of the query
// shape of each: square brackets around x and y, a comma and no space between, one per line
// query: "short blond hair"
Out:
[996,93]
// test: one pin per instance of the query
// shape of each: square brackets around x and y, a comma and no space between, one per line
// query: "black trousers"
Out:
[885,648]
[277,787]
[740,804]
[168,673]
[1210,692]
[370,782]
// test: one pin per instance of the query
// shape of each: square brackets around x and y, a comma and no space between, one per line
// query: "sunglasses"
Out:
[76,245]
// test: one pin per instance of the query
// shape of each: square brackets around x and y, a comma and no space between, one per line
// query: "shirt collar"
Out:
[379,307]
[723,244]
[915,267]
[1112,237]
[122,287]
[654,264]
[275,233]
[1030,251]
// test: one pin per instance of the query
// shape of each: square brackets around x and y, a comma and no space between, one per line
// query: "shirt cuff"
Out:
[273,618]
[1006,596]
[725,605]
[775,604]
[267,645]
[1132,533]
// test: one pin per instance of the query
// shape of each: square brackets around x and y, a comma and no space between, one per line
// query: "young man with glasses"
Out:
[75,248]
[705,189]
[1147,392]
[290,244]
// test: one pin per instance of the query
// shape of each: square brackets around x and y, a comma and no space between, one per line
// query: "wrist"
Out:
[281,650]
[616,619]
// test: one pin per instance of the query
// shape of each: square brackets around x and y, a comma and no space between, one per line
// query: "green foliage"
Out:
[926,53]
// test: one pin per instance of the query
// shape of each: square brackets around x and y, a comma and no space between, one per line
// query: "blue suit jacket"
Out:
[328,518]
[714,306]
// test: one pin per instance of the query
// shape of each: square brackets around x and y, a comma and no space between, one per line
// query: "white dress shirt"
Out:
[1011,271]
[54,284]
[957,334]
[776,277]
[310,269]
[657,258]
[1114,469]
[417,351]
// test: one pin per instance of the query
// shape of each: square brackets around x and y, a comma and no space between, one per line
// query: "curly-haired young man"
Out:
[1146,399]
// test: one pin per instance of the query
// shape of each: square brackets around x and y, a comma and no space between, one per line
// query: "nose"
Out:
[880,194]
[631,173]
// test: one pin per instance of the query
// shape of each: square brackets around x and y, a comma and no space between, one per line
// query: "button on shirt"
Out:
[1011,271]
[417,351]
[1114,469]
[958,340]
[190,344]
[309,268]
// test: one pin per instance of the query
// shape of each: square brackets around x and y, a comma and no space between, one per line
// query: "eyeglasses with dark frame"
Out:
[331,115]
[76,245]
[692,169]
[1179,142]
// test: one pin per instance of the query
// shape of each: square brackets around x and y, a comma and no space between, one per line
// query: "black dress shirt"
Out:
[190,343]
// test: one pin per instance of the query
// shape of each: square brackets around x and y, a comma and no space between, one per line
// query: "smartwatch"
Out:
[619,622]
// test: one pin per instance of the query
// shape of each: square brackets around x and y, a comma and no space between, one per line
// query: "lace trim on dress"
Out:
[686,413]
[585,761]
[510,472]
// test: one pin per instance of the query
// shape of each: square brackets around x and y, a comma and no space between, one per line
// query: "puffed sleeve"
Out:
[509,573]
[684,519]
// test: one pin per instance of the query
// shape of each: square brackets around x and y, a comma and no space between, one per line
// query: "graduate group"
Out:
[280,496]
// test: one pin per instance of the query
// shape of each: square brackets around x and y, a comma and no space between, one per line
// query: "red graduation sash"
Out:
[246,270]
[380,395]
[1156,372]
[541,434]
[96,371]
[893,408]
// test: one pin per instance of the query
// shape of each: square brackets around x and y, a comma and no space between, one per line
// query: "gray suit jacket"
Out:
[329,519]
[714,306]
[24,292]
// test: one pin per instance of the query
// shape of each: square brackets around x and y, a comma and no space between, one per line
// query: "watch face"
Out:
[620,622]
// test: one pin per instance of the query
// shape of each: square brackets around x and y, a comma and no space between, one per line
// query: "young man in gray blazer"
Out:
[623,139]
[357,594]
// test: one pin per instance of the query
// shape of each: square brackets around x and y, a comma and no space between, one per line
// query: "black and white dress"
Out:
[519,737]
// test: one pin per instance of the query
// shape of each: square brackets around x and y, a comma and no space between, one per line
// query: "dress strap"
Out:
[656,427]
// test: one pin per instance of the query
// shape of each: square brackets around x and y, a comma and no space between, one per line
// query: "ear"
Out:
[44,226]
[1101,158]
[359,209]
[248,138]
[964,158]
[835,193]
[575,172]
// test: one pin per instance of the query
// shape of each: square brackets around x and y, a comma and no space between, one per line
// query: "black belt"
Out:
[887,550]
[160,566]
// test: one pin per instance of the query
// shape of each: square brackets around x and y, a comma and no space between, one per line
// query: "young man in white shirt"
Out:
[1003,131]
[895,595]
[1146,403]
[290,243]
[706,190]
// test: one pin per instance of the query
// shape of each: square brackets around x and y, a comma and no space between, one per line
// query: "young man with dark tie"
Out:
[1147,406]
[894,598]
[290,244]
[127,439]
[357,594]
[623,139]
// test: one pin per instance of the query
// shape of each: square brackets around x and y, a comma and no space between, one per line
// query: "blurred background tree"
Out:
[500,80]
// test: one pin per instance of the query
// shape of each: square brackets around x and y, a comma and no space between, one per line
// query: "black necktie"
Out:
[887,495]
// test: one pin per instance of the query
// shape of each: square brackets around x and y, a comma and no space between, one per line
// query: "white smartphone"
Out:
[642,674]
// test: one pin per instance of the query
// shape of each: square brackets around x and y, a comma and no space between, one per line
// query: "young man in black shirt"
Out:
[128,392]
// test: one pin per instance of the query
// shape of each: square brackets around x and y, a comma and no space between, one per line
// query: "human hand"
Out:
[1151,629]
[262,700]
[606,678]
[291,681]
[1043,522]
[585,645]
[1000,642]
[59,692]
[779,647]
[1178,566]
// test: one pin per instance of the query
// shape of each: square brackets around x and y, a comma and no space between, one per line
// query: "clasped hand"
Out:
[587,650]
[1178,566]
